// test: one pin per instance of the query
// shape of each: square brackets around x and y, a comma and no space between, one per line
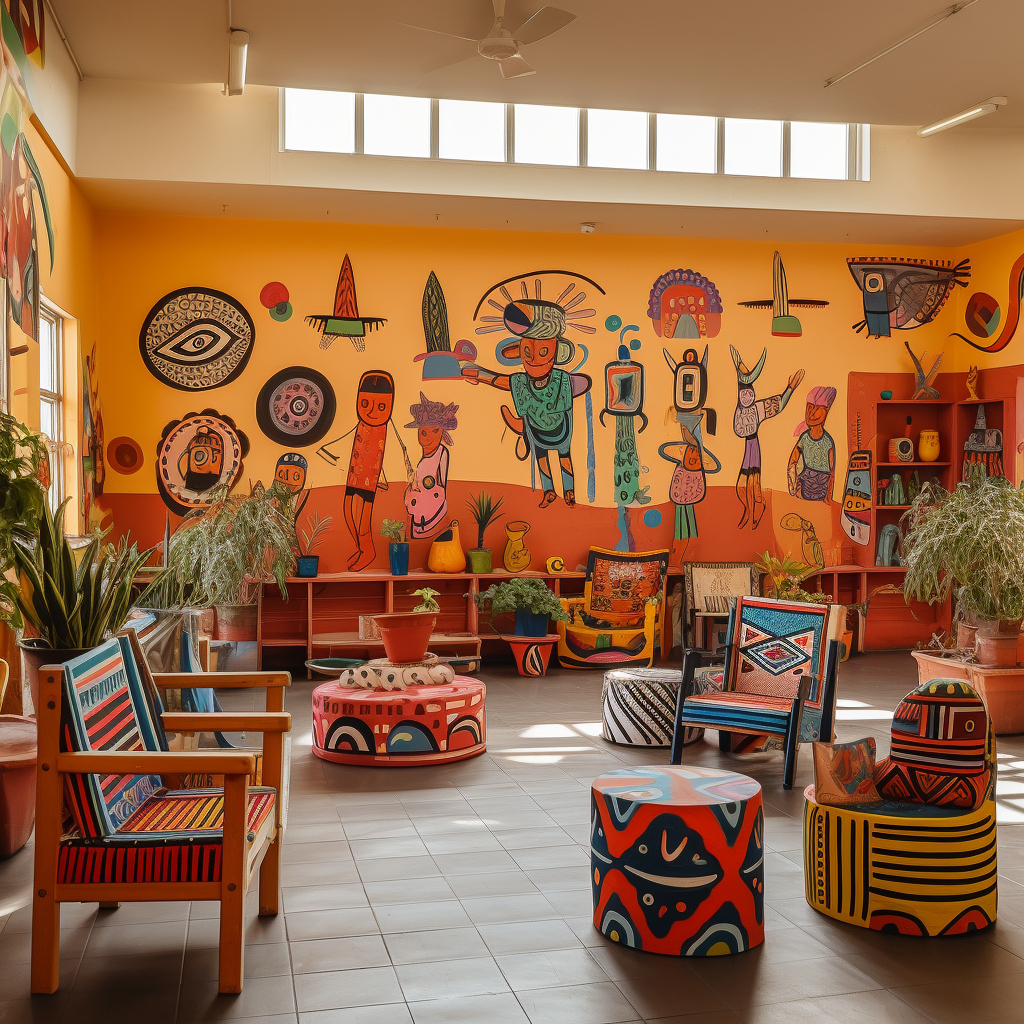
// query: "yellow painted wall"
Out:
[139,259]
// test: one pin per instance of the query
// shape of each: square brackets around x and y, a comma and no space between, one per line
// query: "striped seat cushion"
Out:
[739,711]
[174,836]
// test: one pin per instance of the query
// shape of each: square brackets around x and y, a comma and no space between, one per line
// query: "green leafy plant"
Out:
[485,511]
[313,537]
[74,602]
[522,592]
[429,600]
[786,575]
[394,530]
[22,499]
[224,553]
[968,542]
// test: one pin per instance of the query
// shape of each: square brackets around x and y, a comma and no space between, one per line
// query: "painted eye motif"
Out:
[874,283]
[428,482]
[202,341]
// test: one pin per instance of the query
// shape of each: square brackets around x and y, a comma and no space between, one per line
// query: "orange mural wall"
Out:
[140,259]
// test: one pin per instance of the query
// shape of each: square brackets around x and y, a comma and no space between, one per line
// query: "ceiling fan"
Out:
[502,46]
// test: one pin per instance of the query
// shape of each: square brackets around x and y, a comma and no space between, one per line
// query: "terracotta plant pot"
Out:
[405,635]
[934,666]
[235,622]
[1003,692]
[966,634]
[34,655]
[17,782]
[996,643]
[532,654]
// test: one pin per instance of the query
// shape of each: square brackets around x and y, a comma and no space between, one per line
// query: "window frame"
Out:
[54,400]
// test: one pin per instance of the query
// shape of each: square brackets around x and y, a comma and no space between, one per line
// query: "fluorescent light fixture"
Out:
[989,106]
[238,48]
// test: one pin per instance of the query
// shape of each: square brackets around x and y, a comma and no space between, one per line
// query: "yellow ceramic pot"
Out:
[517,556]
[446,554]
[928,446]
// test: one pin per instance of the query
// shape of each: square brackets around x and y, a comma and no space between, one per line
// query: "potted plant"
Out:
[485,511]
[407,634]
[71,600]
[969,542]
[221,555]
[398,546]
[786,576]
[308,564]
[24,466]
[530,600]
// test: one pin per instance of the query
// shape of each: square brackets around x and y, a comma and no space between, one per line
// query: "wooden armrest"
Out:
[154,762]
[226,680]
[224,721]
[572,600]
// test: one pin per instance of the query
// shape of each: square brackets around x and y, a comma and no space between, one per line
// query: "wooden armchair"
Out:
[779,680]
[102,753]
[615,622]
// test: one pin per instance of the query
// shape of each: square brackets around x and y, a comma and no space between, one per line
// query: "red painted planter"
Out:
[17,782]
[405,635]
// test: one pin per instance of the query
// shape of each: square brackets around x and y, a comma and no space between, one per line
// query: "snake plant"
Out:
[74,602]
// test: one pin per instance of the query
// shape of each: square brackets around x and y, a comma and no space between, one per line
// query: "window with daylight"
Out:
[753,147]
[617,138]
[471,130]
[51,397]
[818,150]
[320,122]
[687,143]
[547,135]
[396,125]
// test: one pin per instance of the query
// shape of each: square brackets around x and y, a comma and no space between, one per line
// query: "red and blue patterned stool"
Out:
[678,860]
[416,726]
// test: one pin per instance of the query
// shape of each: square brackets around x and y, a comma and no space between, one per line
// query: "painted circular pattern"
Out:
[273,294]
[982,315]
[652,517]
[281,312]
[296,406]
[124,455]
[195,339]
[197,454]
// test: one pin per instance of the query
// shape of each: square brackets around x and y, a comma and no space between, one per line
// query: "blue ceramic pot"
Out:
[307,566]
[530,624]
[398,554]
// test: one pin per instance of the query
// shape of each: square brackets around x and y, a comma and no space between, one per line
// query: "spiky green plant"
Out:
[485,511]
[968,542]
[224,553]
[312,537]
[74,602]
[786,575]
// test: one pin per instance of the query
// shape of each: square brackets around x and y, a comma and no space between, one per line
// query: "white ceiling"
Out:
[741,58]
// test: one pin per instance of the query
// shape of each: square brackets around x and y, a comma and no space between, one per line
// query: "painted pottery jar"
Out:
[928,446]
[517,556]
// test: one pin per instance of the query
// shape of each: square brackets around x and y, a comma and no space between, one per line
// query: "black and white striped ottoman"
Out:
[638,707]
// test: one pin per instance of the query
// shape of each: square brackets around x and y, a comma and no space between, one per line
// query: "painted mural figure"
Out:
[812,464]
[290,473]
[542,394]
[746,422]
[375,401]
[426,497]
[692,461]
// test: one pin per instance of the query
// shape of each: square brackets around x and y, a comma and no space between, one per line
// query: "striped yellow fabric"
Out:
[190,810]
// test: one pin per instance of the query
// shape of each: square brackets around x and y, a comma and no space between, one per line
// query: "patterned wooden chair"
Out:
[922,859]
[779,680]
[615,621]
[129,836]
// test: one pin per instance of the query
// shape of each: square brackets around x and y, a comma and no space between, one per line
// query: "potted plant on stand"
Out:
[407,634]
[221,555]
[398,546]
[969,543]
[533,603]
[485,511]
[307,564]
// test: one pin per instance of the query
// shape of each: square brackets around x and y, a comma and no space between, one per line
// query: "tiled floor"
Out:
[461,894]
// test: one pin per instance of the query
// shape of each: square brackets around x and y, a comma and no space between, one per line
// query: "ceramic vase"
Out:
[532,654]
[398,556]
[928,446]
[517,556]
[446,554]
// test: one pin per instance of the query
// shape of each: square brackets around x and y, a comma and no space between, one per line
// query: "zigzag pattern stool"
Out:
[638,707]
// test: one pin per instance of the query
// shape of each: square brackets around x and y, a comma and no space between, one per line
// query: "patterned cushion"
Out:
[844,773]
[941,751]
[621,584]
[104,707]
[739,711]
[174,836]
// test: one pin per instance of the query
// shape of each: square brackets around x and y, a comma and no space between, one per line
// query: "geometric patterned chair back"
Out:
[942,750]
[620,583]
[773,643]
[105,706]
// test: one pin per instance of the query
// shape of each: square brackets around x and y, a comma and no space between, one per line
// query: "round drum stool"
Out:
[416,726]
[638,707]
[677,859]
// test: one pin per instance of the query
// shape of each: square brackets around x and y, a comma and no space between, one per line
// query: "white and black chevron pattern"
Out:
[638,707]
